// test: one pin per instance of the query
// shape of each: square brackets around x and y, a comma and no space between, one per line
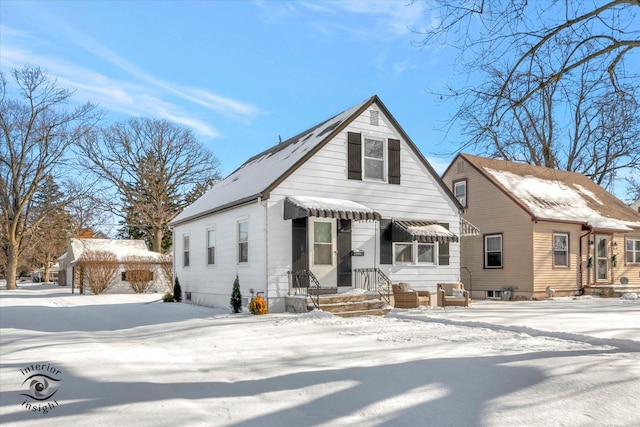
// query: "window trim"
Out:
[384,159]
[567,250]
[186,250]
[633,250]
[414,254]
[455,183]
[210,246]
[240,242]
[485,253]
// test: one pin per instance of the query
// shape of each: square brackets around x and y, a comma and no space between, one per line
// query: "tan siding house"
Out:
[542,229]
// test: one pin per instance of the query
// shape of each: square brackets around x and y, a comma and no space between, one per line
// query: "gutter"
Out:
[231,205]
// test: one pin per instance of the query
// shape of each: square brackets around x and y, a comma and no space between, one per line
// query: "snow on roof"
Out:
[256,175]
[120,248]
[553,199]
[327,203]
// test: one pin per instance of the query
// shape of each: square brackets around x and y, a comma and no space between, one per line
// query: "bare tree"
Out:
[576,124]
[553,82]
[154,166]
[97,269]
[36,131]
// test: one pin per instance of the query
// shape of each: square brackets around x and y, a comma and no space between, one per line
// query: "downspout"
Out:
[581,288]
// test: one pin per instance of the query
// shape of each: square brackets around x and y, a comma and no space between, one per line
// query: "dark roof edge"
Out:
[231,205]
[267,191]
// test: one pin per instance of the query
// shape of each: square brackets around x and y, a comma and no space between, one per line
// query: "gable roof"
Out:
[259,175]
[120,248]
[555,195]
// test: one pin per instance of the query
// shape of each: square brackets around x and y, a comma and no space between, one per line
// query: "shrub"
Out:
[166,264]
[177,291]
[258,305]
[98,269]
[137,271]
[236,297]
[168,297]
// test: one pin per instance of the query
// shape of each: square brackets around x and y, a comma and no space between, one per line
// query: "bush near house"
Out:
[97,269]
[236,297]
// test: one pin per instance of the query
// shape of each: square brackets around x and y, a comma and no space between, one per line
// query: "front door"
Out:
[602,259]
[322,251]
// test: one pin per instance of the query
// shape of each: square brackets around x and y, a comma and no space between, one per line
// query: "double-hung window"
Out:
[493,251]
[633,251]
[373,159]
[460,191]
[185,250]
[560,250]
[211,246]
[243,241]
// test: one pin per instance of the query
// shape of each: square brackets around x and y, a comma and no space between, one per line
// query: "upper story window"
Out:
[633,251]
[211,246]
[185,250]
[373,158]
[493,251]
[243,241]
[560,250]
[460,191]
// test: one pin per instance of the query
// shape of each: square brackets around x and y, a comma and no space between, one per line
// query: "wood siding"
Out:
[493,212]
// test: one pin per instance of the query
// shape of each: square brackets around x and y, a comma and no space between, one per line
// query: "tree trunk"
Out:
[47,270]
[12,266]
[156,242]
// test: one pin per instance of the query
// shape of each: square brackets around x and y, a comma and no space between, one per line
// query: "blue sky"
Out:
[238,73]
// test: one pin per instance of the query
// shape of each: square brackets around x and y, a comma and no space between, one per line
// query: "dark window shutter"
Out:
[386,247]
[300,258]
[394,161]
[443,249]
[344,252]
[354,160]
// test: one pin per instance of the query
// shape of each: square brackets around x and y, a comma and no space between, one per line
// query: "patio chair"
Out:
[452,294]
[405,297]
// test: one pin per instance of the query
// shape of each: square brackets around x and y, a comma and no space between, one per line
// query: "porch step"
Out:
[350,305]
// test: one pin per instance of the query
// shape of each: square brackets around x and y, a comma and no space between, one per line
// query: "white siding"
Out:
[211,285]
[419,196]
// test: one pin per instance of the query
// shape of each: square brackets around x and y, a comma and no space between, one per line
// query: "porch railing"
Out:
[373,280]
[303,282]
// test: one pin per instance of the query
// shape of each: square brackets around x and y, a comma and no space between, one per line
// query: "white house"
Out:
[346,197]
[122,249]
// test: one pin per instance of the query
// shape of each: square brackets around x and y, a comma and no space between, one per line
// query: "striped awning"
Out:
[468,229]
[304,206]
[422,231]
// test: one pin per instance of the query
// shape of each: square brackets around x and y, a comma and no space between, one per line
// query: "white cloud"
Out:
[142,94]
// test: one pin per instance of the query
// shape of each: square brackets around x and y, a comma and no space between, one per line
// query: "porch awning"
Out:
[302,207]
[468,229]
[422,231]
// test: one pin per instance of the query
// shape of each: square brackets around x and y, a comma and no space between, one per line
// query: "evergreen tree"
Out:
[236,297]
[177,291]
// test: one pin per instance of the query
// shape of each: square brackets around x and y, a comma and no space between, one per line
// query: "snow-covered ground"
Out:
[131,360]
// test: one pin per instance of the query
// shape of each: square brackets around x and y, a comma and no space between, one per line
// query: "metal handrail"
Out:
[373,280]
[303,282]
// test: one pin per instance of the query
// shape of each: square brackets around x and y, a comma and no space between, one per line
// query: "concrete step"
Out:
[344,298]
[374,312]
[353,306]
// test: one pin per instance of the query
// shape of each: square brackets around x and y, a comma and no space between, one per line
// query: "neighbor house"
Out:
[344,199]
[131,255]
[543,230]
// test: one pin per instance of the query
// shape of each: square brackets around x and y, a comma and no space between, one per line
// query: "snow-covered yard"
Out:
[130,360]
